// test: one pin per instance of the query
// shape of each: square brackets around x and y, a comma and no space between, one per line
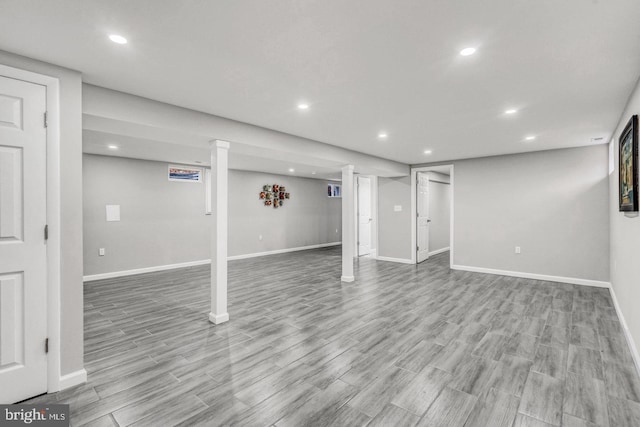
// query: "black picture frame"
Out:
[628,167]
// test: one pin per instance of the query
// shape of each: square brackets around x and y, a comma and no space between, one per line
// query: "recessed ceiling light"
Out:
[117,39]
[313,173]
[291,170]
[511,111]
[112,147]
[427,151]
[468,51]
[382,135]
[303,106]
[530,138]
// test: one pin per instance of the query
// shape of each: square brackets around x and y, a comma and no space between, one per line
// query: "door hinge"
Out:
[417,248]
[46,345]
[46,232]
[46,123]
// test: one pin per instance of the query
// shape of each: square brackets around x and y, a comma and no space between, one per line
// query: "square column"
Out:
[348,224]
[219,233]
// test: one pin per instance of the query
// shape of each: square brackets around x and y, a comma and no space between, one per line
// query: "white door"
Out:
[23,255]
[364,216]
[423,217]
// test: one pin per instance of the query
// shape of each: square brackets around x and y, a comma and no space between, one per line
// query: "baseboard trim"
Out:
[73,379]
[283,251]
[630,342]
[390,259]
[124,273]
[438,251]
[218,318]
[534,276]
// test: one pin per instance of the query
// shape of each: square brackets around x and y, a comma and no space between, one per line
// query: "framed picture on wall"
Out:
[628,167]
[185,174]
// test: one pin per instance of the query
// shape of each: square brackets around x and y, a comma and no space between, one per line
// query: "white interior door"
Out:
[364,216]
[23,289]
[423,217]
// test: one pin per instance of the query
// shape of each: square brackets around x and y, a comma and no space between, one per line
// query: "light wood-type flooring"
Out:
[403,345]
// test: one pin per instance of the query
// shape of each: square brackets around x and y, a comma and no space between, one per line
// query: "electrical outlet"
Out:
[517,249]
[101,252]
[260,237]
[336,230]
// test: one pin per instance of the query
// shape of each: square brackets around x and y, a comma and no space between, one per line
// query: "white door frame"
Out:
[53,215]
[414,211]
[373,180]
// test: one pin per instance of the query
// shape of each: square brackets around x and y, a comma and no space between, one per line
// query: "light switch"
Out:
[397,208]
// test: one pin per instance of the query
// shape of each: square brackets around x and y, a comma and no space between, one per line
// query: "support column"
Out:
[348,224]
[219,213]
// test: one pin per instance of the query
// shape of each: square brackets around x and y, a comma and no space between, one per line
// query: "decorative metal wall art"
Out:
[274,195]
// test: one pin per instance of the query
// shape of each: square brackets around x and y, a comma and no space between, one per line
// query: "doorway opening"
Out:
[433,226]
[366,230]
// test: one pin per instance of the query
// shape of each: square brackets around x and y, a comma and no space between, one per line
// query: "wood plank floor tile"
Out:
[451,409]
[542,398]
[585,398]
[392,415]
[496,409]
[422,391]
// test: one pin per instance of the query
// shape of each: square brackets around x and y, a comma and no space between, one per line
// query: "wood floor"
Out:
[401,346]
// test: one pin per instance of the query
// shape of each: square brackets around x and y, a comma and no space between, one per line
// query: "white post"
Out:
[348,223]
[219,213]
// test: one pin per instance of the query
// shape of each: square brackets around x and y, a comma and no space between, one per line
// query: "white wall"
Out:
[71,297]
[394,227]
[439,211]
[164,222]
[625,238]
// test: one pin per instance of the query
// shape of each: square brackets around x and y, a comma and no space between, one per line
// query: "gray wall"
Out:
[553,204]
[439,211]
[625,238]
[71,298]
[308,218]
[163,222]
[394,228]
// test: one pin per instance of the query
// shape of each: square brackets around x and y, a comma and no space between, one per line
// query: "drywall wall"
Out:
[308,218]
[439,211]
[625,237]
[394,226]
[70,268]
[164,222]
[552,204]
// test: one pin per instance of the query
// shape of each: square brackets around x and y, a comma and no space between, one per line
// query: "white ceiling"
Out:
[363,66]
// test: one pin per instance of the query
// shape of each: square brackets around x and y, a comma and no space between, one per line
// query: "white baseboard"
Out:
[283,251]
[630,342]
[143,270]
[73,379]
[390,259]
[438,251]
[123,273]
[218,318]
[534,276]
